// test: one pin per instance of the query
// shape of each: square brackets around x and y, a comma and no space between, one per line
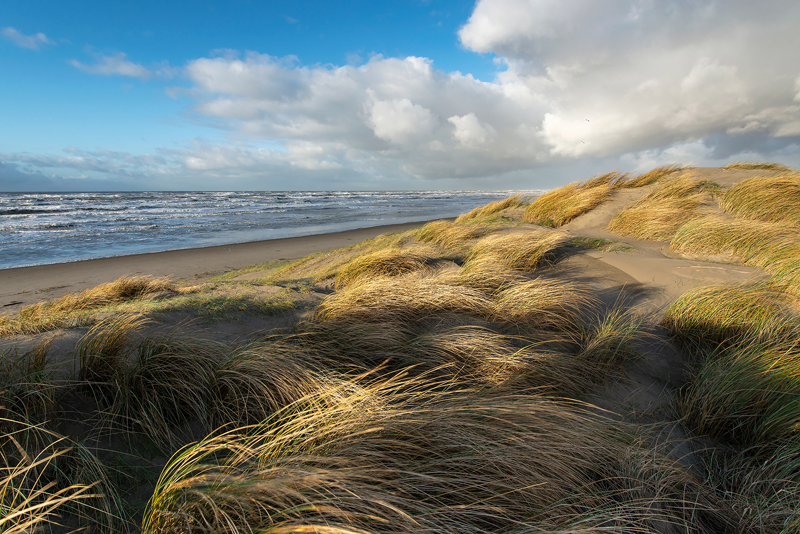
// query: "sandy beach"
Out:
[26,285]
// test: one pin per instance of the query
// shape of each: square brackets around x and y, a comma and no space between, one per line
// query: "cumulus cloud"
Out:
[119,65]
[627,75]
[579,80]
[33,42]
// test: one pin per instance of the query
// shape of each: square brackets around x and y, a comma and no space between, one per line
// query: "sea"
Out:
[43,228]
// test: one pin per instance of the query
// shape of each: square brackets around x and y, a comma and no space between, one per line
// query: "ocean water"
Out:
[40,228]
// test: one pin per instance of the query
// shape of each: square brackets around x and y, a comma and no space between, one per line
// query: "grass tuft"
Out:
[765,198]
[397,457]
[659,214]
[70,310]
[525,251]
[514,201]
[383,263]
[560,206]
[651,177]
[753,166]
[450,236]
[770,246]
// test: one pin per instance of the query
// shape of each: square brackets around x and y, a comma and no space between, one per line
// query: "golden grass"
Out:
[752,166]
[543,304]
[659,214]
[392,457]
[770,246]
[401,299]
[70,310]
[560,206]
[514,201]
[383,263]
[450,236]
[525,251]
[707,316]
[25,385]
[653,176]
[765,198]
[324,265]
[48,480]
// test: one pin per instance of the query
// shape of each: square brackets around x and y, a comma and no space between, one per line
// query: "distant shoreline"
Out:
[20,286]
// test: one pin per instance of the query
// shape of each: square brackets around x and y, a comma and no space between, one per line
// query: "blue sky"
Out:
[388,95]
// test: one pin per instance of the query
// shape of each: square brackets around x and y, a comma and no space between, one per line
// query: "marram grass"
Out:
[492,208]
[752,166]
[659,214]
[393,458]
[560,206]
[651,177]
[71,310]
[770,246]
[455,238]
[765,198]
[520,250]
[384,263]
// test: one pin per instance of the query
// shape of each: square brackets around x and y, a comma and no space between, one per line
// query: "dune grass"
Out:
[753,166]
[454,238]
[387,262]
[770,246]
[765,198]
[391,458]
[324,265]
[435,389]
[514,201]
[525,251]
[651,177]
[659,214]
[559,206]
[707,316]
[48,480]
[73,309]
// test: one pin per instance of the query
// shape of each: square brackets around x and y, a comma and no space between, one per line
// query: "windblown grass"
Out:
[258,380]
[752,166]
[70,310]
[747,395]
[707,316]
[658,215]
[651,177]
[543,304]
[559,206]
[770,246]
[153,385]
[450,236]
[383,263]
[401,299]
[389,461]
[525,251]
[25,385]
[765,198]
[514,201]
[48,480]
[324,265]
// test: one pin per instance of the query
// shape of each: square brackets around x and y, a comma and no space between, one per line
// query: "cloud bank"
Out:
[630,83]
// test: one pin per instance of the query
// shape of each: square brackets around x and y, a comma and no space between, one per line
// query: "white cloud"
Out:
[469,131]
[644,73]
[400,121]
[34,42]
[118,65]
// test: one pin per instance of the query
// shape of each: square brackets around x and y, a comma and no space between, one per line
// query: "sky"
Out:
[398,94]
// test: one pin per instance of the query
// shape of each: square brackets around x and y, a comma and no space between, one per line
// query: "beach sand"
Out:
[27,285]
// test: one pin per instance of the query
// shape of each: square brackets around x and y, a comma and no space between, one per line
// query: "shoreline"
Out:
[22,286]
